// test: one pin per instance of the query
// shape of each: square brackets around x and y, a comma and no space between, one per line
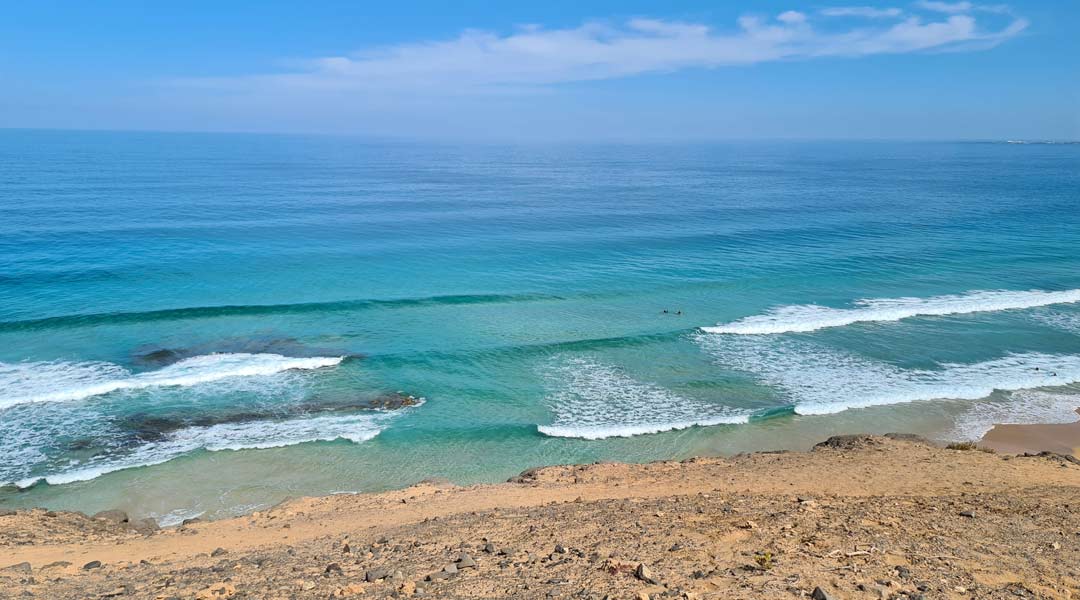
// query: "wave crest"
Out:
[811,317]
[595,401]
[59,381]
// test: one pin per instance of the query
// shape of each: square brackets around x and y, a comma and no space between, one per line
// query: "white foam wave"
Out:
[820,380]
[59,381]
[230,436]
[811,317]
[1067,321]
[594,401]
[1023,407]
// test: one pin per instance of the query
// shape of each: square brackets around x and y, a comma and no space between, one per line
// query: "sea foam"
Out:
[1023,407]
[592,400]
[59,381]
[811,317]
[230,436]
[820,380]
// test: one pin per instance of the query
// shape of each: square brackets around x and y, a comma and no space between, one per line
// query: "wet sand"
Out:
[1061,438]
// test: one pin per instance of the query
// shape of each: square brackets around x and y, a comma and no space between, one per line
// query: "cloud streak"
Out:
[533,57]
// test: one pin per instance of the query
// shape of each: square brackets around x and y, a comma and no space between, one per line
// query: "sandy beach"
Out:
[856,517]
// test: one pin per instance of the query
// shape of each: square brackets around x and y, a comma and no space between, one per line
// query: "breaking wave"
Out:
[594,401]
[820,380]
[811,317]
[59,381]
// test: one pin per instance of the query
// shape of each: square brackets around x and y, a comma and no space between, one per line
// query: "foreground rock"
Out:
[864,517]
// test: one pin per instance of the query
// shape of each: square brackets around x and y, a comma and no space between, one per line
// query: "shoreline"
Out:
[697,526]
[1061,438]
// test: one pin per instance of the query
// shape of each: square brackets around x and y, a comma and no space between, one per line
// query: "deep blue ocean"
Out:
[207,323]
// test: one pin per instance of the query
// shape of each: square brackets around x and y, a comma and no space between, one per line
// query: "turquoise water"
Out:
[198,323]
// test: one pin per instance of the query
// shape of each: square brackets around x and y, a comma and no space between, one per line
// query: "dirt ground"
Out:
[857,517]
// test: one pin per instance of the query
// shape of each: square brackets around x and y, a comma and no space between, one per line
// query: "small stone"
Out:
[749,525]
[219,552]
[489,548]
[466,562]
[645,574]
[967,513]
[560,549]
[333,569]
[346,549]
[820,594]
[450,568]
[376,575]
[94,564]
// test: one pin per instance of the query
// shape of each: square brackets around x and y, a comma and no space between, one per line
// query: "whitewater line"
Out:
[811,317]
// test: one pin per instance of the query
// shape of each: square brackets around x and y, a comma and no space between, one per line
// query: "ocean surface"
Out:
[208,323]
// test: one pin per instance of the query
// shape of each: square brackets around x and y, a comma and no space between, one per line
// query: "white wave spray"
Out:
[230,436]
[820,380]
[811,317]
[1021,407]
[59,381]
[594,401]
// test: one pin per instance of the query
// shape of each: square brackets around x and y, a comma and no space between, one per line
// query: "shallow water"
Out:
[196,323]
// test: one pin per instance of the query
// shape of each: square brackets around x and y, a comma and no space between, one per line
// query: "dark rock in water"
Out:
[393,401]
[152,357]
[191,521]
[81,444]
[6,512]
[94,564]
[158,358]
[112,516]
[152,427]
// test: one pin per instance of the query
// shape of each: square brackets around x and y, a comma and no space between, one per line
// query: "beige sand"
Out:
[863,517]
[1061,438]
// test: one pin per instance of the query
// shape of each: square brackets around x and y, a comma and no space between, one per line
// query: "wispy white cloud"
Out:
[865,12]
[946,7]
[533,56]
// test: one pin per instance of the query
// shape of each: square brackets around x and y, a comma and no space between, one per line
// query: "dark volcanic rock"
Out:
[849,442]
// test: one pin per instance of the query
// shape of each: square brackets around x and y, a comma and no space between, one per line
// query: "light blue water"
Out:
[520,291]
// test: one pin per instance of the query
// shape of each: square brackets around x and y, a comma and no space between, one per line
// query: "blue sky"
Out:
[473,70]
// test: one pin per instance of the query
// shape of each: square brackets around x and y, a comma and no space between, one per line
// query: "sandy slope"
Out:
[867,517]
